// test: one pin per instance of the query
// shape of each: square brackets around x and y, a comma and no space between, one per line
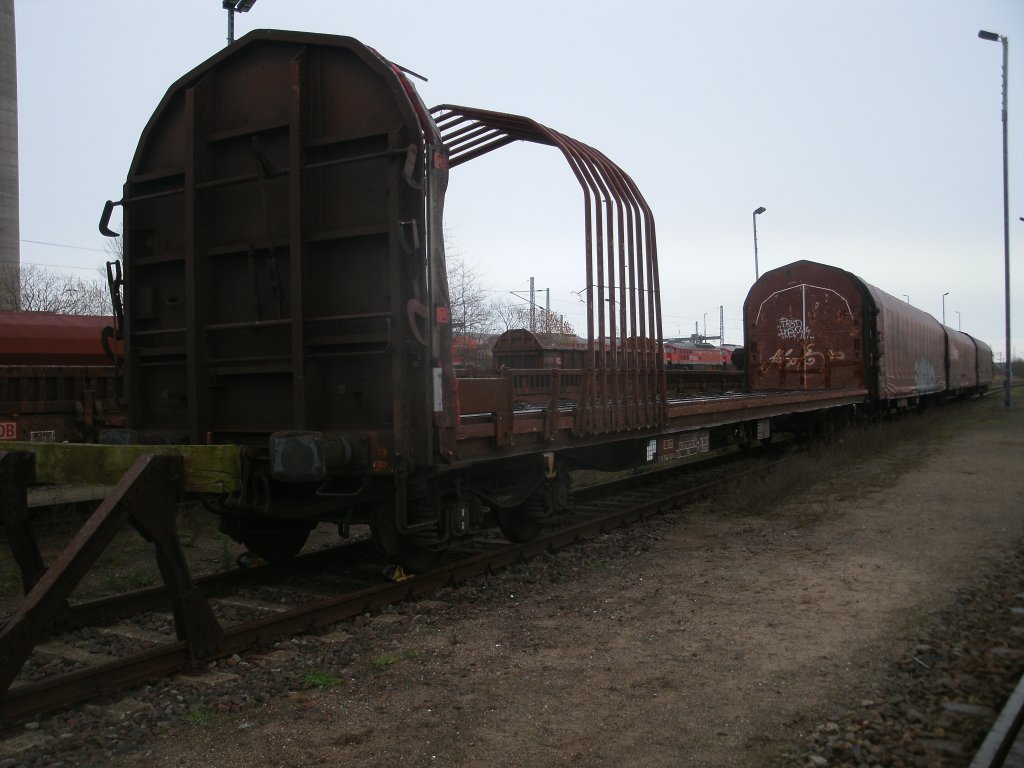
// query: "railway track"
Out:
[950,699]
[1004,745]
[54,653]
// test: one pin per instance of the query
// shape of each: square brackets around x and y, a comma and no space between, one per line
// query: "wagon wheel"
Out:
[271,540]
[518,524]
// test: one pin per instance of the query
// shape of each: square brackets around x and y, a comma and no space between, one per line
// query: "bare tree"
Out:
[550,327]
[553,327]
[471,314]
[509,315]
[43,290]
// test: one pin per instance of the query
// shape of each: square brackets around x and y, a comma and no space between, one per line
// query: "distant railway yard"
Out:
[856,604]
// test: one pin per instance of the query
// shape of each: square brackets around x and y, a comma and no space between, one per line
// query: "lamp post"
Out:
[944,307]
[907,298]
[958,321]
[233,7]
[1007,380]
[758,210]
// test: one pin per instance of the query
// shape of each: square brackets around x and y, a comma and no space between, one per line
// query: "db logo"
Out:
[8,430]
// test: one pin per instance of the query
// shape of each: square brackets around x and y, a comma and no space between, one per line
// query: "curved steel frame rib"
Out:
[626,384]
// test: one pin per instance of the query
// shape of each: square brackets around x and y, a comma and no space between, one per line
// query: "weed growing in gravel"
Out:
[321,680]
[380,663]
[197,716]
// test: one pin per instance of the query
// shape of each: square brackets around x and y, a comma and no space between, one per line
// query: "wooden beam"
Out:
[208,468]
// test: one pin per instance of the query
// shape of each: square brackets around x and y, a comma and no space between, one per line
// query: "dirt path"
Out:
[706,640]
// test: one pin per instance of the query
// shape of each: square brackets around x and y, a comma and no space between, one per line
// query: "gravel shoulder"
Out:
[721,635]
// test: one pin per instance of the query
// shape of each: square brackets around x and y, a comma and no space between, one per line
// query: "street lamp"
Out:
[907,298]
[233,7]
[944,307]
[958,321]
[758,210]
[1007,380]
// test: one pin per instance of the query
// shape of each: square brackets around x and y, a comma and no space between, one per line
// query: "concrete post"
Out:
[9,231]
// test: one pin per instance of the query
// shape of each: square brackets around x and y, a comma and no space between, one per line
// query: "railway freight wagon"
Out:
[986,368]
[811,326]
[58,381]
[285,291]
[961,362]
[285,297]
[968,364]
[519,348]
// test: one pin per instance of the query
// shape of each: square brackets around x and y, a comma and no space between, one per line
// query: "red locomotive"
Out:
[696,355]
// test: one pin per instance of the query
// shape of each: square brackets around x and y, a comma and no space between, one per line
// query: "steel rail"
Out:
[1005,737]
[159,598]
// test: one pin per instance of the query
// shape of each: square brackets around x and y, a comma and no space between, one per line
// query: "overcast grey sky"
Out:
[869,129]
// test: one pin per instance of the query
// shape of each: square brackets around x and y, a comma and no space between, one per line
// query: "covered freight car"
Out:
[49,338]
[57,380]
[813,326]
[961,362]
[285,290]
[518,348]
[986,371]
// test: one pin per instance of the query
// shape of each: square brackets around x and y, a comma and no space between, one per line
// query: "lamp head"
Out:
[988,36]
[758,210]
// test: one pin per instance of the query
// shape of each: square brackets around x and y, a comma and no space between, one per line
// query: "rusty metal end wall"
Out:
[813,326]
[804,328]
